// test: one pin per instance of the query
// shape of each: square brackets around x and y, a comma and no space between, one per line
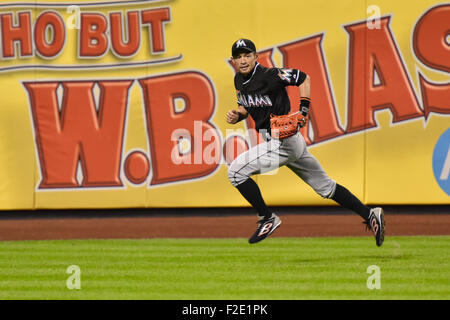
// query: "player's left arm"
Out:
[305,101]
[305,88]
[295,77]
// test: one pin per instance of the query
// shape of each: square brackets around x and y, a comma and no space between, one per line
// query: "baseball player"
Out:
[261,93]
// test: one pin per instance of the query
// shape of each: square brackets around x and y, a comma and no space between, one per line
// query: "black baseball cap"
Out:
[242,45]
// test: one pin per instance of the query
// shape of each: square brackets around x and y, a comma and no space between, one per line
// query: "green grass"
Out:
[230,269]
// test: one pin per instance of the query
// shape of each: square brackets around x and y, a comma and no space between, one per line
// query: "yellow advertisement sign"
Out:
[122,103]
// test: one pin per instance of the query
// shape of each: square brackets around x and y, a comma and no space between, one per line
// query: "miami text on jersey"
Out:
[256,100]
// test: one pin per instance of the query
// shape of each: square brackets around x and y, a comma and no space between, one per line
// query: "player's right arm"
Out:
[236,115]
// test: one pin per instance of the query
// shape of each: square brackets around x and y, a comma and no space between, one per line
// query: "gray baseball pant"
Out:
[272,154]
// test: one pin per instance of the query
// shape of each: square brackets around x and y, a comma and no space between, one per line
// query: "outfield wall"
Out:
[97,115]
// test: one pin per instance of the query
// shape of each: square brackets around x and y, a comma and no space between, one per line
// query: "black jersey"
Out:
[264,92]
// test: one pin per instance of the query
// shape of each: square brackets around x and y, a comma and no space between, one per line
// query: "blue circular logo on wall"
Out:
[441,161]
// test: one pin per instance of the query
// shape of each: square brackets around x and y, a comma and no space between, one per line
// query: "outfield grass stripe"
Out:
[278,268]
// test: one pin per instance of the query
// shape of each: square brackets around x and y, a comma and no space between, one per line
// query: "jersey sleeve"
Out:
[290,77]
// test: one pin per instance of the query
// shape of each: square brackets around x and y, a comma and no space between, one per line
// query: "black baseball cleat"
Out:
[376,224]
[266,226]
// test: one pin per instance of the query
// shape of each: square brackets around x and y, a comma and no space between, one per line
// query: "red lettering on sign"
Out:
[429,39]
[436,97]
[375,51]
[93,39]
[431,47]
[155,18]
[167,126]
[119,45]
[79,133]
[12,34]
[54,47]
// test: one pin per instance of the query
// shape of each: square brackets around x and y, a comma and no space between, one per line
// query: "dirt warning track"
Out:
[212,223]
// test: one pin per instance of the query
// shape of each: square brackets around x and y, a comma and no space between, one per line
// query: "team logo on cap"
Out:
[240,43]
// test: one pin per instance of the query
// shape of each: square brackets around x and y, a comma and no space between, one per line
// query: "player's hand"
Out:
[232,116]
[302,120]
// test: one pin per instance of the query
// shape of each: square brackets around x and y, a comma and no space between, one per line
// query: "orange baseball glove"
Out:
[287,125]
